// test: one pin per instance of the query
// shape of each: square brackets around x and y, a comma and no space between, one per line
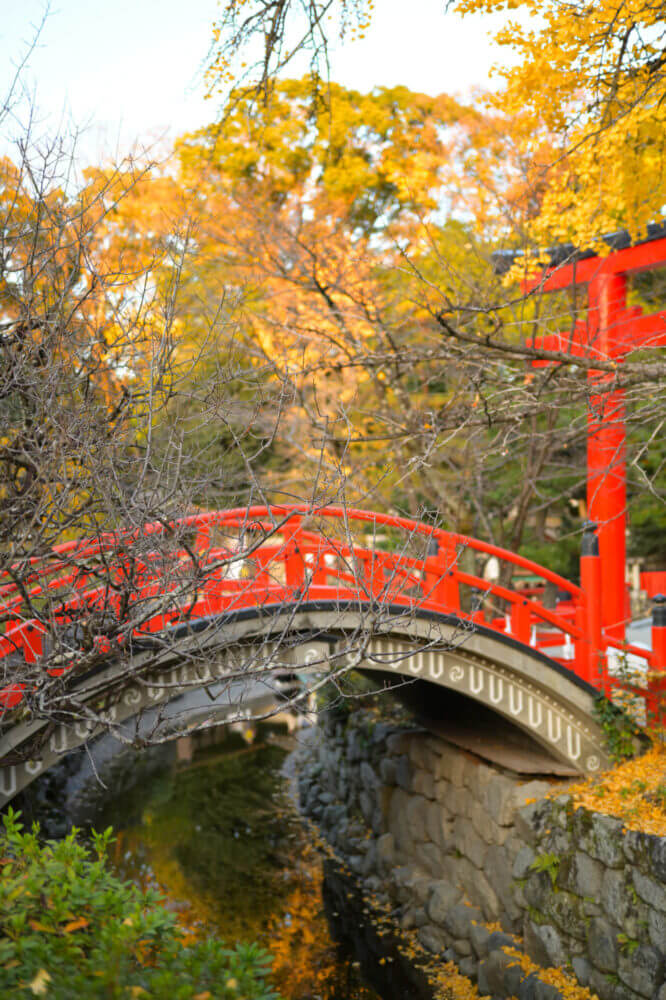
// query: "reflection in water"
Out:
[214,829]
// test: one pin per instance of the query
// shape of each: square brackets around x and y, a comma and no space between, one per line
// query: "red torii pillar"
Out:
[612,331]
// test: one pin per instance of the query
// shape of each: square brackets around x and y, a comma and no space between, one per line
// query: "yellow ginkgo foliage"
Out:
[588,80]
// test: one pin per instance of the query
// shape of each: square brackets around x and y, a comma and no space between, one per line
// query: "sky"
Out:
[133,69]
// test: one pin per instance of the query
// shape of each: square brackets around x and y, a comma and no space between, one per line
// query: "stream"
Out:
[210,821]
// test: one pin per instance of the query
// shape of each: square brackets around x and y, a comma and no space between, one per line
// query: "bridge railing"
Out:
[210,564]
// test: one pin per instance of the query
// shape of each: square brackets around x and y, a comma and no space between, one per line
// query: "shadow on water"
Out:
[209,821]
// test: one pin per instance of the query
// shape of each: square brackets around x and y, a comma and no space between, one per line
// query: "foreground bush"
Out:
[70,928]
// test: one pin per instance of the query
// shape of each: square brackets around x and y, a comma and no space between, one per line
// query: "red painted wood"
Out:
[296,564]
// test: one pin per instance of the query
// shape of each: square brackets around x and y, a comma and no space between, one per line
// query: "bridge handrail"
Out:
[239,518]
[289,555]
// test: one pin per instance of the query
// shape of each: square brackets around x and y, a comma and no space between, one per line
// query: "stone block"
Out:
[467,966]
[386,850]
[387,771]
[481,821]
[403,773]
[497,869]
[652,891]
[451,871]
[636,848]
[555,840]
[601,984]
[413,916]
[620,902]
[479,936]
[553,943]
[658,857]
[377,821]
[522,862]
[411,884]
[602,945]
[468,842]
[533,945]
[545,991]
[478,889]
[527,988]
[397,819]
[369,777]
[441,898]
[432,939]
[599,836]
[498,939]
[436,824]
[429,857]
[486,827]
[496,969]
[537,889]
[460,801]
[367,804]
[564,910]
[528,791]
[443,794]
[581,874]
[417,808]
[459,918]
[476,776]
[497,798]
[482,982]
[642,970]
[416,752]
[657,929]
[581,969]
[511,922]
[531,821]
[397,743]
[462,946]
[354,745]
[424,784]
[452,766]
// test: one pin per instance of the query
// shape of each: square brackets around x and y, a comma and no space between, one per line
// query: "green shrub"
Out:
[70,928]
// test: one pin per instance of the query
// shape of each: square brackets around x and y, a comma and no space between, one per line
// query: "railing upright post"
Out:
[294,562]
[445,589]
[581,644]
[656,700]
[590,581]
[659,633]
[521,620]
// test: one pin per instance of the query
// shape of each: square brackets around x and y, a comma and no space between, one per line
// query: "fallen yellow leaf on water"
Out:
[203,996]
[40,983]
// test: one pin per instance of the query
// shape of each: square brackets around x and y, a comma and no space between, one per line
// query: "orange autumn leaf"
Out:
[75,925]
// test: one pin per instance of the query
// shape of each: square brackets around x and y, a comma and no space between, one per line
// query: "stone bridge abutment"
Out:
[471,858]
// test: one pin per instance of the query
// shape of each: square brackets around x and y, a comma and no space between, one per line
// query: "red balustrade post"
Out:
[590,581]
[581,644]
[656,701]
[446,590]
[521,618]
[294,563]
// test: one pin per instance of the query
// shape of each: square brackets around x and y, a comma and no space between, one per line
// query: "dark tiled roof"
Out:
[567,253]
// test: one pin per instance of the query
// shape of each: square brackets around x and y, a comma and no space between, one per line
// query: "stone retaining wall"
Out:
[453,844]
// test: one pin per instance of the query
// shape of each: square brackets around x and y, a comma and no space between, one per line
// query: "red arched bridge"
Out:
[111,632]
